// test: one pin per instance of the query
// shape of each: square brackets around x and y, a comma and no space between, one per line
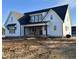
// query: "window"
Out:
[51,17]
[32,19]
[40,17]
[11,29]
[36,18]
[11,18]
[54,28]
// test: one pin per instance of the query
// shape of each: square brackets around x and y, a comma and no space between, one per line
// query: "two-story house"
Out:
[48,22]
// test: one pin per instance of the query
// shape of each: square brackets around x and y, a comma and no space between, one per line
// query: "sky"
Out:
[23,6]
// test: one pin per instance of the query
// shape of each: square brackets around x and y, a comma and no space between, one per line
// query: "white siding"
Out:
[17,31]
[56,21]
[22,30]
[67,23]
[27,31]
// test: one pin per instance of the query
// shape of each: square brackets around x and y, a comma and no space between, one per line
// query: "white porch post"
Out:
[43,30]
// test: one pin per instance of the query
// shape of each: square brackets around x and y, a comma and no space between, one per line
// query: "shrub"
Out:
[68,35]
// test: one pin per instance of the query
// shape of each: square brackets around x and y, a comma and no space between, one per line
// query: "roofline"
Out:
[45,9]
[7,18]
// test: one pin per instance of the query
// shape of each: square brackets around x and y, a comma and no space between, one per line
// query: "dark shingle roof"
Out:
[11,24]
[24,20]
[60,10]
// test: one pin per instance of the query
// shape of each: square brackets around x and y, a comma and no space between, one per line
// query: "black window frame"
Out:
[51,17]
[9,28]
[39,17]
[33,20]
[12,29]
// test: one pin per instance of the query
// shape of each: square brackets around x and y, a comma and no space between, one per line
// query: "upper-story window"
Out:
[11,18]
[40,17]
[32,18]
[51,17]
[36,18]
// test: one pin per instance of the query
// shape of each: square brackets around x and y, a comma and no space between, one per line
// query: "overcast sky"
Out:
[23,6]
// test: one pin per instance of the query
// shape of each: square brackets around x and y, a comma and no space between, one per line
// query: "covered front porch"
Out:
[38,29]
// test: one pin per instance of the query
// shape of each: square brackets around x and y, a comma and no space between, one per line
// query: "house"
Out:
[73,30]
[46,22]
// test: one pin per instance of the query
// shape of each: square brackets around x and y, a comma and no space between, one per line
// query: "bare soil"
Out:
[56,48]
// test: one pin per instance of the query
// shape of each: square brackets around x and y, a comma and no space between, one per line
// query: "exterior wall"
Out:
[56,21]
[67,22]
[44,14]
[27,31]
[22,30]
[17,31]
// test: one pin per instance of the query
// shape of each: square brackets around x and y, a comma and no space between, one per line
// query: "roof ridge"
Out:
[46,8]
[60,10]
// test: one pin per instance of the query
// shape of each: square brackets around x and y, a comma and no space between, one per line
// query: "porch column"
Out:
[43,30]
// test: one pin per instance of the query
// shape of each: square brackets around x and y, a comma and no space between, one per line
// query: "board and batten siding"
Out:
[55,21]
[21,30]
[67,24]
[17,31]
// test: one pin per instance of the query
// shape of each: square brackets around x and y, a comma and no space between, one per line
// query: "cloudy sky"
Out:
[23,6]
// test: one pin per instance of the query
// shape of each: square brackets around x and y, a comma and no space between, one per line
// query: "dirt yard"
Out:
[39,49]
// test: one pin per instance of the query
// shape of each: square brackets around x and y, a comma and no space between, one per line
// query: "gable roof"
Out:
[60,10]
[17,15]
[24,20]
